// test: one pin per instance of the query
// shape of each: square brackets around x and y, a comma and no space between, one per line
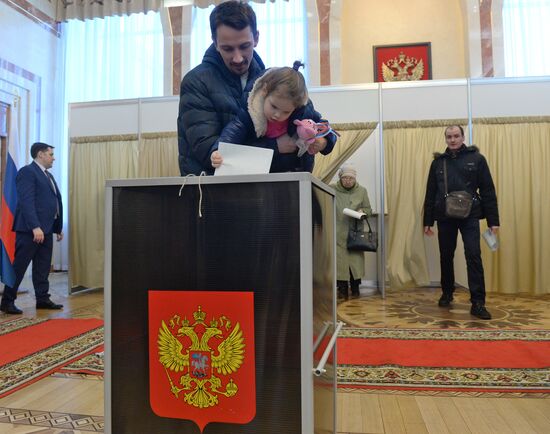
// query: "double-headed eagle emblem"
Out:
[188,352]
[403,68]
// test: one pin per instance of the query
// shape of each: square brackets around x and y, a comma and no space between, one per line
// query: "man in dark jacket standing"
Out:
[467,170]
[212,93]
[39,215]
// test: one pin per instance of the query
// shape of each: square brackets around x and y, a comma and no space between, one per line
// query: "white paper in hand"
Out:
[243,160]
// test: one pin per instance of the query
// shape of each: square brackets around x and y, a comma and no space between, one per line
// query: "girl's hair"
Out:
[288,83]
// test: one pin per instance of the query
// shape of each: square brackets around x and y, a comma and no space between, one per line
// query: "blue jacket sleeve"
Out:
[26,196]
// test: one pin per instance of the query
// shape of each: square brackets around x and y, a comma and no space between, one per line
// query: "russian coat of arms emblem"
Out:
[201,365]
[202,355]
[403,68]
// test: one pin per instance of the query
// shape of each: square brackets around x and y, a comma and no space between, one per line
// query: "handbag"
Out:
[361,241]
[458,204]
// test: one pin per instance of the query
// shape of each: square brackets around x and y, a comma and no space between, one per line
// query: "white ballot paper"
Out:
[243,160]
[351,213]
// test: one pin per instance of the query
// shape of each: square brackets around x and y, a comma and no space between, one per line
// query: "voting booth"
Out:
[220,307]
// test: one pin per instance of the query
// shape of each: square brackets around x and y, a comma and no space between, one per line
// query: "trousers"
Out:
[447,237]
[26,250]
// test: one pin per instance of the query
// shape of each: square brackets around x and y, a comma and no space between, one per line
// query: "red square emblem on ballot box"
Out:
[201,356]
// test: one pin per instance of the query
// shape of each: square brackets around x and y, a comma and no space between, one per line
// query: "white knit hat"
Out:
[347,170]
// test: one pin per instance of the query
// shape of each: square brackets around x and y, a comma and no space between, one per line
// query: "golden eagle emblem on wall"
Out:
[403,68]
[199,357]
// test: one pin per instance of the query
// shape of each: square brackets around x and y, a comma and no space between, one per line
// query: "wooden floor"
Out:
[78,400]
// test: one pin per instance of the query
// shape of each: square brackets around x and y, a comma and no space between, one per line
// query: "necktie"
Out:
[48,174]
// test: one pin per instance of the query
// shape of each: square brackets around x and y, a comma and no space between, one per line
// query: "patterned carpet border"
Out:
[404,377]
[449,393]
[448,379]
[92,364]
[444,334]
[26,370]
[46,419]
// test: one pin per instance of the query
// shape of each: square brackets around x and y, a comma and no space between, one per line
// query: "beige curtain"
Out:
[409,147]
[352,136]
[92,161]
[158,155]
[518,153]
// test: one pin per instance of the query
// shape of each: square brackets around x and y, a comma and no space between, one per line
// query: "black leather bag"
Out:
[458,204]
[361,241]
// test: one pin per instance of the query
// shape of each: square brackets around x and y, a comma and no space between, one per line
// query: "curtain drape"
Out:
[92,162]
[158,155]
[408,155]
[88,10]
[352,136]
[518,153]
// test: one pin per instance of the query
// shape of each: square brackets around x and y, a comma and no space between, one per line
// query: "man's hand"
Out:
[428,231]
[216,159]
[59,236]
[286,144]
[494,229]
[38,235]
[317,146]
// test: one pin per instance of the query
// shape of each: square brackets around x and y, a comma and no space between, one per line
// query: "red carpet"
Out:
[454,360]
[34,348]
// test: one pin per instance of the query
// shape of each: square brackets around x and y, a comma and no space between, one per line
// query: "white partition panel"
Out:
[159,114]
[344,104]
[439,99]
[103,118]
[502,98]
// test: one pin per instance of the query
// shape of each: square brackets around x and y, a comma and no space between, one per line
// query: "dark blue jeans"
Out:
[447,236]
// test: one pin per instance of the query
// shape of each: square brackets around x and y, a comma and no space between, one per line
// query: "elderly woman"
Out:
[350,264]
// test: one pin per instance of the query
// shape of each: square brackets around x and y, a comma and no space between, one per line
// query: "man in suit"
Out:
[39,215]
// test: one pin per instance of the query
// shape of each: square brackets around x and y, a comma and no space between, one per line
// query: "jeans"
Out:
[447,236]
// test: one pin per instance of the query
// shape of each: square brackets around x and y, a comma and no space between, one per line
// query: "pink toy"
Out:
[308,131]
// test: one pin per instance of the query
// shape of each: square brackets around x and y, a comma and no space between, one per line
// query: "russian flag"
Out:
[9,202]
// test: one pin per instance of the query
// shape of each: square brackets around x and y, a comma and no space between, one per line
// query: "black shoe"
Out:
[445,300]
[355,294]
[11,309]
[343,295]
[478,310]
[48,304]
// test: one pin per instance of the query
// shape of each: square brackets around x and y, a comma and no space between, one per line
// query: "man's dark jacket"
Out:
[467,170]
[210,96]
[38,204]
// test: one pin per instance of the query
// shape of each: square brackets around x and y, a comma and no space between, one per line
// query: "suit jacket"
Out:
[38,205]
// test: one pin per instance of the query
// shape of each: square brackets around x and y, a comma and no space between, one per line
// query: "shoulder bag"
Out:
[458,204]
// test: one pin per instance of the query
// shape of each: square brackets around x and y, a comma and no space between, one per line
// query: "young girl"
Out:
[277,99]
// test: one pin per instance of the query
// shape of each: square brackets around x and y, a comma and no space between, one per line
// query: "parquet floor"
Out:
[69,404]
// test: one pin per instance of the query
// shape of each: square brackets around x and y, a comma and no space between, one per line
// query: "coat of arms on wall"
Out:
[406,62]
